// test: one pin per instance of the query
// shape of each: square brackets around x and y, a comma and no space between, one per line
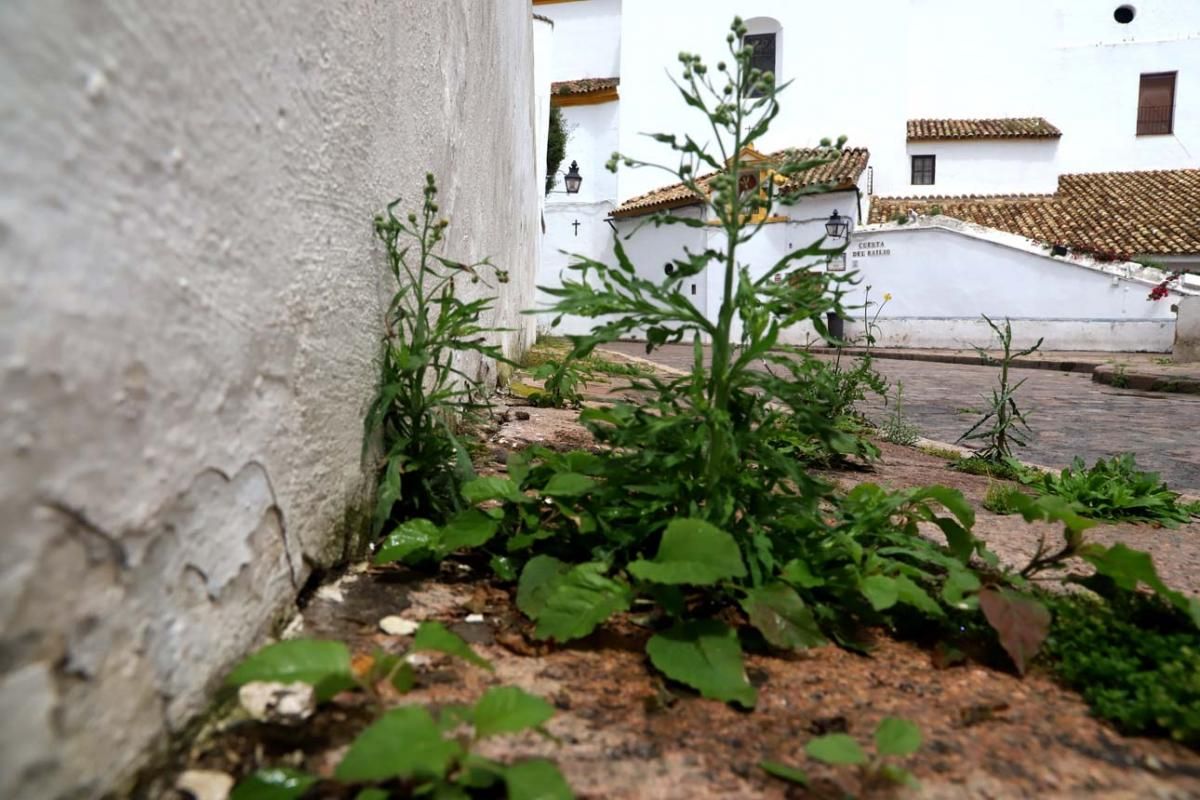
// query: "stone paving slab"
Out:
[1070,415]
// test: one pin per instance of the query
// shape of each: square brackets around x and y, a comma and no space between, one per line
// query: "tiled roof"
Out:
[1012,128]
[842,173]
[583,86]
[1111,214]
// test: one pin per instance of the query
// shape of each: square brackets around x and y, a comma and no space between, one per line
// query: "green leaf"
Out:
[536,779]
[1128,567]
[881,591]
[705,655]
[692,552]
[579,601]
[568,484]
[414,537]
[798,573]
[507,709]
[538,579]
[959,589]
[323,665]
[276,783]
[372,794]
[784,771]
[435,637]
[897,737]
[836,748]
[911,593]
[470,528]
[404,743]
[494,487]
[781,616]
[1021,623]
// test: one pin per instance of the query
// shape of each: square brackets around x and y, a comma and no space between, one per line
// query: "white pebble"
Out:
[398,626]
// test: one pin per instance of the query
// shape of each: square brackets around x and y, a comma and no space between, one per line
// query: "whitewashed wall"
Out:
[988,166]
[589,34]
[190,311]
[943,274]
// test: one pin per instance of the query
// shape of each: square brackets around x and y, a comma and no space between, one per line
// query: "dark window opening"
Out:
[923,168]
[764,53]
[1124,14]
[1156,104]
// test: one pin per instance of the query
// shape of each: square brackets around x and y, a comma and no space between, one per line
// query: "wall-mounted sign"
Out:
[869,249]
[836,263]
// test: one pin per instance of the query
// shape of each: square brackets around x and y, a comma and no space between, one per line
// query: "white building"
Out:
[952,99]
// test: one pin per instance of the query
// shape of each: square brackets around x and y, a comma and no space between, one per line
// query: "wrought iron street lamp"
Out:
[837,226]
[573,179]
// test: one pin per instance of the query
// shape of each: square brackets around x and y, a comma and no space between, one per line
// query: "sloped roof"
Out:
[920,130]
[842,172]
[1111,214]
[583,86]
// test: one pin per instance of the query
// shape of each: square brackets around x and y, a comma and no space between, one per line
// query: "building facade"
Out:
[954,101]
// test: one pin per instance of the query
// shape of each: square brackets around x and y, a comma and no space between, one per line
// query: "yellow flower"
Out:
[887,296]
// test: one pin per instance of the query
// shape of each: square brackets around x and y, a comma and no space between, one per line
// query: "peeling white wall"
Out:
[189,312]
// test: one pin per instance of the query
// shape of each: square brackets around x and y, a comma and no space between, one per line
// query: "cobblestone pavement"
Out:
[1069,414]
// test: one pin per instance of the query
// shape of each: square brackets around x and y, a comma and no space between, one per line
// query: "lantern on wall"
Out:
[837,226]
[573,179]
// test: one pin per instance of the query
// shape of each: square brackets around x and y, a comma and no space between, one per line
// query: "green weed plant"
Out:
[423,395]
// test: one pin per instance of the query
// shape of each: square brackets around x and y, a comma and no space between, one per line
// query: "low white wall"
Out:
[943,274]
[190,311]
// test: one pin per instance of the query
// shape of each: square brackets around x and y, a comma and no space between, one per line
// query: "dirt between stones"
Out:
[624,733]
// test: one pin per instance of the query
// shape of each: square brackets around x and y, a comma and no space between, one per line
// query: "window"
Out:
[1156,104]
[764,53]
[1124,14]
[922,170]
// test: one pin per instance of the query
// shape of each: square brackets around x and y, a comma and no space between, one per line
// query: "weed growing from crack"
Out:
[423,393]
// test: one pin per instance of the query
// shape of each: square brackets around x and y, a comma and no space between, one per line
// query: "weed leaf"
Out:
[470,528]
[705,655]
[1128,567]
[836,748]
[692,552]
[881,591]
[579,601]
[538,580]
[1021,622]
[897,737]
[784,771]
[433,636]
[507,709]
[323,665]
[568,484]
[536,779]
[480,490]
[404,743]
[781,616]
[416,536]
[276,783]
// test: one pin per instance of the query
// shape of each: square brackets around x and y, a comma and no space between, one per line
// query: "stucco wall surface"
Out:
[189,311]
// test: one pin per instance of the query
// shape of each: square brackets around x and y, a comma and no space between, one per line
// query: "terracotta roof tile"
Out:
[841,172]
[1010,128]
[1111,214]
[583,86]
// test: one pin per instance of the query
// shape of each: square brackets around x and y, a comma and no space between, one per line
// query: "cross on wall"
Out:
[576,224]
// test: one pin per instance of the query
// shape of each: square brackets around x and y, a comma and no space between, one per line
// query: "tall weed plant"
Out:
[690,504]
[424,396]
